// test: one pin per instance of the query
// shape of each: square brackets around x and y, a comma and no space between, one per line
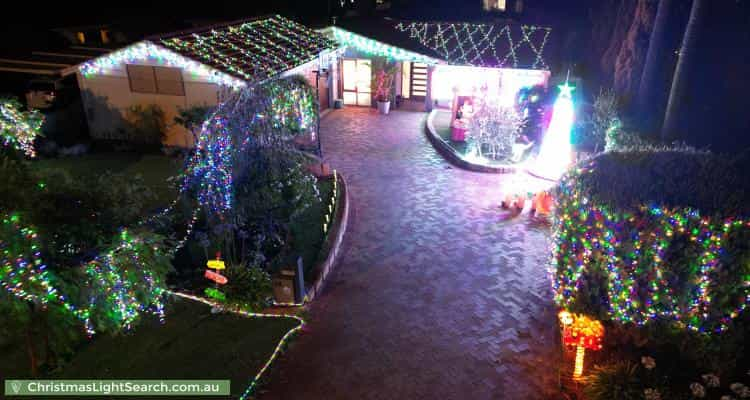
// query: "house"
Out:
[196,67]
[436,60]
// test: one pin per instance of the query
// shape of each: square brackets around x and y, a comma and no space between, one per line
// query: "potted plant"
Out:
[383,79]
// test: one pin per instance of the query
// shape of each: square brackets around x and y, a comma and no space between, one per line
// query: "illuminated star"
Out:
[566,90]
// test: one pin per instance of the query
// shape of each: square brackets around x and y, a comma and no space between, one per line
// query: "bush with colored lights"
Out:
[654,234]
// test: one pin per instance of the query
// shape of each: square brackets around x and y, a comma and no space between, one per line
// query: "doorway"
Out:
[357,77]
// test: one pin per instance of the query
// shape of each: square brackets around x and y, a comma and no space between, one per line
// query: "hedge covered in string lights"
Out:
[656,234]
[115,288]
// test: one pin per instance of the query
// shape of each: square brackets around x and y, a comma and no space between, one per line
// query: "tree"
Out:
[192,118]
[496,128]
[681,80]
[649,101]
[19,129]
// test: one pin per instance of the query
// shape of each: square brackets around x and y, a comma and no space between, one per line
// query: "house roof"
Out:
[251,50]
[499,44]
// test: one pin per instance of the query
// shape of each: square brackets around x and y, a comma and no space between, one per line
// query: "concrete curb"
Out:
[452,156]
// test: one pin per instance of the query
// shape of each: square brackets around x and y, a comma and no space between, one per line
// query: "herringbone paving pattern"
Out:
[438,294]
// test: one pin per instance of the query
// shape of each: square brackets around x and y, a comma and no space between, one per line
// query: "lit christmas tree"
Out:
[556,153]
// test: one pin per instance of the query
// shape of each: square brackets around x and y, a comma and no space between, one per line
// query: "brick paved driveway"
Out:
[438,295]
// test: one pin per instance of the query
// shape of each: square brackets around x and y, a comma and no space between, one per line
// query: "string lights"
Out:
[18,129]
[146,50]
[276,352]
[377,48]
[482,45]
[253,51]
[630,249]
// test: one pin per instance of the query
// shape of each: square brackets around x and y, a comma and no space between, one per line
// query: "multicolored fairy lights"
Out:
[377,48]
[520,46]
[259,116]
[146,50]
[112,297]
[18,129]
[23,272]
[628,251]
[255,50]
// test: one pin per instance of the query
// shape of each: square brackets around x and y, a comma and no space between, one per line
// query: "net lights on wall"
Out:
[478,44]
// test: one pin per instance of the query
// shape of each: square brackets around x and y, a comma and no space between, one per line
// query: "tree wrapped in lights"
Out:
[246,173]
[495,129]
[18,128]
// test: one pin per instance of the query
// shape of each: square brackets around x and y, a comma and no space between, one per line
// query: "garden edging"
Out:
[335,238]
[450,154]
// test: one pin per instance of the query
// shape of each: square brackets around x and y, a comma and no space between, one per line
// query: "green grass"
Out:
[153,168]
[191,344]
[307,231]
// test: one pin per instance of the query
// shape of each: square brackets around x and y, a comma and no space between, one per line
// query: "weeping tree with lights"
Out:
[246,173]
[495,129]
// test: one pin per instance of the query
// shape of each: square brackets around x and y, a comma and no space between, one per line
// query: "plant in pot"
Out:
[383,79]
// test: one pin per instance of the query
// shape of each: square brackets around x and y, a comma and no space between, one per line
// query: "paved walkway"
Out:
[438,295]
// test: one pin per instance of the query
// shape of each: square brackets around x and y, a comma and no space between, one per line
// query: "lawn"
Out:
[191,344]
[153,168]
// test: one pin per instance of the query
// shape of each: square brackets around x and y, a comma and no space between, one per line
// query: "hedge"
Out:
[654,234]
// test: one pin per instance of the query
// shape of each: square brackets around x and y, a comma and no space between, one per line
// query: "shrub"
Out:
[248,287]
[650,235]
[147,124]
[618,380]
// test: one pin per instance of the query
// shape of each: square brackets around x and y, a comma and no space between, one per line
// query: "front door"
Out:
[357,76]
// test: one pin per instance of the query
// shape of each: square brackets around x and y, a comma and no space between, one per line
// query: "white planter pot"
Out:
[384,107]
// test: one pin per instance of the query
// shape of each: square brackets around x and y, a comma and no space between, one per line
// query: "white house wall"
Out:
[107,97]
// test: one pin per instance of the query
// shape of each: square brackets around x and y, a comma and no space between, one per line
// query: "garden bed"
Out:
[438,131]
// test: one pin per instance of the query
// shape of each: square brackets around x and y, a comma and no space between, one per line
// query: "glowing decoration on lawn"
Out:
[583,333]
[216,277]
[556,153]
[147,51]
[486,45]
[217,263]
[263,115]
[629,248]
[215,294]
[18,128]
[376,48]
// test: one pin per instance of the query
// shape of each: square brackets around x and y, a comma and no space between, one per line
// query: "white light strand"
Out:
[459,44]
[146,50]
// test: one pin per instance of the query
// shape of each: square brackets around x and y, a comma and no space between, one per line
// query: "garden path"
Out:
[438,294]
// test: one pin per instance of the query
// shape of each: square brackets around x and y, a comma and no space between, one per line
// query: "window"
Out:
[158,80]
[80,37]
[519,6]
[105,36]
[494,5]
